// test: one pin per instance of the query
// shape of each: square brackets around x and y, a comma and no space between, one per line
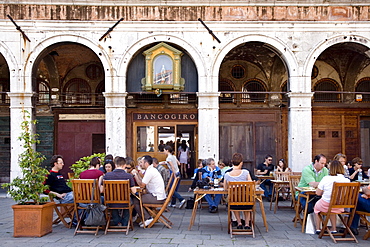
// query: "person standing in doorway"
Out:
[183,155]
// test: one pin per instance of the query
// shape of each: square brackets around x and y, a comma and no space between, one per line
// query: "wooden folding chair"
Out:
[363,216]
[117,196]
[156,213]
[170,180]
[280,187]
[344,195]
[82,192]
[293,182]
[63,210]
[241,194]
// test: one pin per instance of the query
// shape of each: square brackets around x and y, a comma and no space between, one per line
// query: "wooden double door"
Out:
[253,139]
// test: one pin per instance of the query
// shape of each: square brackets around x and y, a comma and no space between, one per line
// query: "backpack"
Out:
[190,203]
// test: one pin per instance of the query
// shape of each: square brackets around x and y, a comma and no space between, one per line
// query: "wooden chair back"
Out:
[170,181]
[241,193]
[344,195]
[116,192]
[293,182]
[82,191]
[158,214]
[282,176]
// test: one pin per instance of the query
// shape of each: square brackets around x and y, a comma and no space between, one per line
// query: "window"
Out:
[256,86]
[322,89]
[145,138]
[238,71]
[77,91]
[99,99]
[284,90]
[364,86]
[43,92]
[226,86]
[4,88]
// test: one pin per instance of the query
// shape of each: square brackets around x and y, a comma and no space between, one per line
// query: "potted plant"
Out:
[83,164]
[33,215]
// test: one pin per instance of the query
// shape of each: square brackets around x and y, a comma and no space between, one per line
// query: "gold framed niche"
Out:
[162,68]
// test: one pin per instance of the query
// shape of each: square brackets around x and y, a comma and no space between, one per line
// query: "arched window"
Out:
[322,89]
[363,86]
[77,91]
[99,99]
[4,88]
[257,86]
[226,86]
[43,91]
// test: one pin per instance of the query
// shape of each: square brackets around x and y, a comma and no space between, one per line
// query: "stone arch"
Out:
[11,61]
[40,47]
[126,58]
[278,46]
[321,47]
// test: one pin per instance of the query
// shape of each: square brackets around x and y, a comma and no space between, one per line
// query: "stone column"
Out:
[299,130]
[115,123]
[19,102]
[208,125]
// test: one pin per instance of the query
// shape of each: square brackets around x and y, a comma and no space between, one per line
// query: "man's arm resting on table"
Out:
[314,184]
[366,192]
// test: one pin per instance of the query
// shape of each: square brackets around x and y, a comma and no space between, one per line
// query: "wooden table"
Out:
[308,191]
[200,193]
[264,177]
[277,186]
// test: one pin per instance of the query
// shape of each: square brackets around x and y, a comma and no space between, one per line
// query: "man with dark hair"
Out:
[212,172]
[266,168]
[93,172]
[311,177]
[120,216]
[154,185]
[57,184]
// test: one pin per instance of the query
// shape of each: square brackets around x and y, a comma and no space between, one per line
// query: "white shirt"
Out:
[154,183]
[326,185]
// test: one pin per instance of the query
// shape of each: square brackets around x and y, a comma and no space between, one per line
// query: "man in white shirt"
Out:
[154,185]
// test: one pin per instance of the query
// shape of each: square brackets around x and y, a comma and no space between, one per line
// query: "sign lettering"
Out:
[165,116]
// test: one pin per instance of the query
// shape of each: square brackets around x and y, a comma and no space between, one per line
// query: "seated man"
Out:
[211,171]
[154,185]
[118,217]
[265,169]
[363,204]
[311,177]
[57,185]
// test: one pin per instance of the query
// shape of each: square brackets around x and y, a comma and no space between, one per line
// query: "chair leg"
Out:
[108,215]
[305,215]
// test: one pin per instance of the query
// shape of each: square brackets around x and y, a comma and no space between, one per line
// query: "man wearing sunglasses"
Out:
[266,168]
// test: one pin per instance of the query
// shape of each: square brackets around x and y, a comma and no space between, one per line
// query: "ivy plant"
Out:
[29,187]
[83,164]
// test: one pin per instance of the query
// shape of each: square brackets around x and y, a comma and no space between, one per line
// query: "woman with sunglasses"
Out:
[356,170]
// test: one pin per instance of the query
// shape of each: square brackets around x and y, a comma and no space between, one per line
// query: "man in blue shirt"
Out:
[211,171]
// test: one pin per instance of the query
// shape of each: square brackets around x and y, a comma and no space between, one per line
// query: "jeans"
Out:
[68,198]
[311,204]
[176,195]
[268,192]
[120,217]
[362,205]
[213,202]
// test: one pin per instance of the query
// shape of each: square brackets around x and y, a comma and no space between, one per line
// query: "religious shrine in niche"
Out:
[163,69]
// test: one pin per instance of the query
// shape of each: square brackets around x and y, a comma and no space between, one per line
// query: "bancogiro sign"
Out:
[165,116]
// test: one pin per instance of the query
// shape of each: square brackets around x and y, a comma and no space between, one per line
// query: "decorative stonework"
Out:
[166,12]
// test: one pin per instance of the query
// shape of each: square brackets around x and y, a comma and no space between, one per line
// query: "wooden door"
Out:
[266,141]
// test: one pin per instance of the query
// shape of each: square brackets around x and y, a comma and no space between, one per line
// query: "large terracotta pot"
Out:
[33,220]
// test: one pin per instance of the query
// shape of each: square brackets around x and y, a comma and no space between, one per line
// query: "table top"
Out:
[306,189]
[221,190]
[280,181]
[265,176]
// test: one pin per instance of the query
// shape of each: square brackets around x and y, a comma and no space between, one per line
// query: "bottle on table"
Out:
[359,176]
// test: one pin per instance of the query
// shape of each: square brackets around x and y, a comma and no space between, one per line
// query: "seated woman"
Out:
[282,166]
[324,189]
[237,174]
[356,170]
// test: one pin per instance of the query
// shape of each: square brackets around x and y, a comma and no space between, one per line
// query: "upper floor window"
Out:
[4,88]
[77,91]
[226,87]
[322,91]
[43,91]
[257,86]
[362,87]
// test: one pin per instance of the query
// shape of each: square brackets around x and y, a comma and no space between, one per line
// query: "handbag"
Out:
[95,211]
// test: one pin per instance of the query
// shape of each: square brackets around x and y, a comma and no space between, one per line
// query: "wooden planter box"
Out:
[33,220]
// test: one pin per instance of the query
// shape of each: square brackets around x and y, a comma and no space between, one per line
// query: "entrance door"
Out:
[150,138]
[252,139]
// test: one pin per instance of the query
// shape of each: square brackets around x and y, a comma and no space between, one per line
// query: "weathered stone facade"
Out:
[279,43]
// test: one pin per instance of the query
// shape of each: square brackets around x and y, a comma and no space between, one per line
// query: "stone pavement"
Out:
[208,230]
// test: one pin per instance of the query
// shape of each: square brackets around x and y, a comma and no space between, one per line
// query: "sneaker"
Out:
[134,218]
[172,205]
[147,222]
[354,231]
[182,203]
[239,227]
[247,228]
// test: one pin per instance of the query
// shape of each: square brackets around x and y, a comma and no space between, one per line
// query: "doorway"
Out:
[150,138]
